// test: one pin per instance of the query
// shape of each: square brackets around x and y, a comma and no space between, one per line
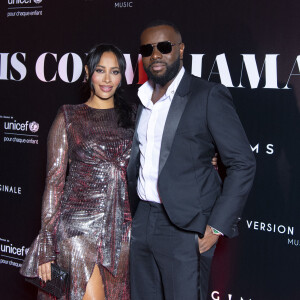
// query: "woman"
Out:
[86,218]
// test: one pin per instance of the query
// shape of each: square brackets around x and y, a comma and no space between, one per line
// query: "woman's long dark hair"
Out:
[123,109]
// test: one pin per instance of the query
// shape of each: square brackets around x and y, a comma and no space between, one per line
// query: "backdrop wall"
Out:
[252,47]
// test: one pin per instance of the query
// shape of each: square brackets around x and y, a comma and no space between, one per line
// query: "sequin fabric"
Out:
[85,216]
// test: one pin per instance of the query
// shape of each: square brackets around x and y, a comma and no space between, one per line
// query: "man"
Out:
[176,198]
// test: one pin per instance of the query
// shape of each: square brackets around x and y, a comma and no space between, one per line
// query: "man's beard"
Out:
[171,72]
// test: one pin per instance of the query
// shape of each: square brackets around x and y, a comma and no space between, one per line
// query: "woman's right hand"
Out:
[45,271]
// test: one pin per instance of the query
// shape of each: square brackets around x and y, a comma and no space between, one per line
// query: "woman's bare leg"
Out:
[95,287]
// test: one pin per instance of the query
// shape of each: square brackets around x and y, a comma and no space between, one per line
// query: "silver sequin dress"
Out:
[85,216]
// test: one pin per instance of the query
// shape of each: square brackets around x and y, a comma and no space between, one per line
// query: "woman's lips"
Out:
[106,88]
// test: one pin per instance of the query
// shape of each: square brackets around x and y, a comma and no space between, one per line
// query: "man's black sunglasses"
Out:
[162,47]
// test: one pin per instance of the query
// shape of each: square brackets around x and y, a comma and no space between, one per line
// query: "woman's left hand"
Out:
[214,161]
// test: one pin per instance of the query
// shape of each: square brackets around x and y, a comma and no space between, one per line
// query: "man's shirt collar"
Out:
[146,90]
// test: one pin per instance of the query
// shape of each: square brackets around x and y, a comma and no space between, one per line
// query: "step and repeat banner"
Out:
[252,47]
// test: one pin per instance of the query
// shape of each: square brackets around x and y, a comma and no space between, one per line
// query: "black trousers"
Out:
[164,260]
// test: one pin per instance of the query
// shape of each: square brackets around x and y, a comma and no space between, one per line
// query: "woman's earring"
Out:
[85,78]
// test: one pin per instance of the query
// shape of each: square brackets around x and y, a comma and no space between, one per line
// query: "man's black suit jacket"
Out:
[201,121]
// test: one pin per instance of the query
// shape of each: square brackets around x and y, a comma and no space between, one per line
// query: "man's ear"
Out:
[181,49]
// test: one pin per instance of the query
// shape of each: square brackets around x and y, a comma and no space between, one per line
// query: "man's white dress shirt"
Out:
[150,131]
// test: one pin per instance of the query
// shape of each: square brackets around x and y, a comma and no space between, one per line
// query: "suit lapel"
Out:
[137,120]
[135,143]
[174,115]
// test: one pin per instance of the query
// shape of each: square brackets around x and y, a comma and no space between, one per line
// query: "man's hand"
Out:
[45,271]
[208,240]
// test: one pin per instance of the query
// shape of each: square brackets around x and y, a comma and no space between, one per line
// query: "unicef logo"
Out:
[34,126]
[37,1]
